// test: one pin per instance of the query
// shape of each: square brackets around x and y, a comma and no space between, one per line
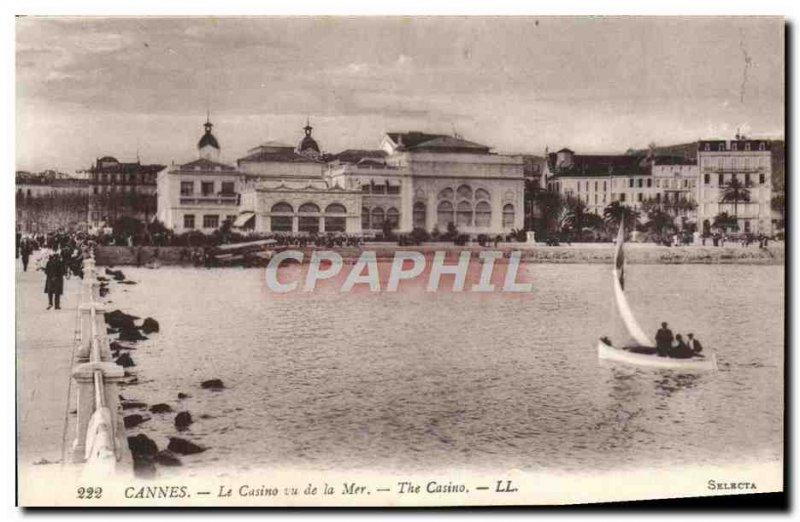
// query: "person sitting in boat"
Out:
[694,344]
[663,340]
[681,350]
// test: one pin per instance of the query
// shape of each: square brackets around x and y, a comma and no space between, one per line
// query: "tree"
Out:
[724,221]
[616,212]
[550,205]
[735,192]
[659,221]
[573,215]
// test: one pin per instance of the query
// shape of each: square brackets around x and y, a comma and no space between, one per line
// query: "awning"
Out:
[243,219]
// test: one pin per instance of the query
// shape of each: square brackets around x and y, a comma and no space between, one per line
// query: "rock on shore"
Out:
[150,325]
[119,319]
[183,420]
[212,384]
[134,420]
[183,446]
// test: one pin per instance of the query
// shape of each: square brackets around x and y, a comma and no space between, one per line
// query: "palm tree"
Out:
[658,221]
[549,205]
[616,212]
[723,221]
[573,214]
[735,191]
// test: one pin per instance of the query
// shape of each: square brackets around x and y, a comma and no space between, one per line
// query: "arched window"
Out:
[481,194]
[483,213]
[508,216]
[377,218]
[419,214]
[464,214]
[335,218]
[281,219]
[444,214]
[393,217]
[365,218]
[335,208]
[464,192]
[308,224]
[308,208]
[446,194]
[282,207]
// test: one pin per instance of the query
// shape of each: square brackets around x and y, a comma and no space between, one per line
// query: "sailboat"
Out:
[643,353]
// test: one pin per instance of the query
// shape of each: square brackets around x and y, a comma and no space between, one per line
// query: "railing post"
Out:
[84,377]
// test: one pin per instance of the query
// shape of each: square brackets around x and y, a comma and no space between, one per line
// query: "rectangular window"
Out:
[721,180]
[210,221]
[604,187]
[649,182]
[747,181]
[595,186]
[207,188]
[641,183]
[622,196]
[686,183]
[187,188]
[227,187]
[658,197]
[639,197]
[630,184]
[393,189]
[365,188]
[761,178]
[707,178]
[379,189]
[188,221]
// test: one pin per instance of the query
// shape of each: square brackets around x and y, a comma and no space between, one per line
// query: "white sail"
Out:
[623,308]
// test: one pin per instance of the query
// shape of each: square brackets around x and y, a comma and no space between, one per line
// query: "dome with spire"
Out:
[208,146]
[208,139]
[308,146]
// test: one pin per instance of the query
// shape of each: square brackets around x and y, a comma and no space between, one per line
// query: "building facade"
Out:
[598,180]
[201,194]
[50,201]
[431,181]
[732,177]
[416,180]
[735,177]
[121,189]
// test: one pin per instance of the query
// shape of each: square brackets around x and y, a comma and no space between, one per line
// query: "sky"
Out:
[90,87]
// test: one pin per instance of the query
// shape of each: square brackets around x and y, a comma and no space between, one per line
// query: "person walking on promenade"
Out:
[54,281]
[25,253]
[663,340]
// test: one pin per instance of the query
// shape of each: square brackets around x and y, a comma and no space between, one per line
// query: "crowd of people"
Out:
[59,255]
[668,345]
[745,240]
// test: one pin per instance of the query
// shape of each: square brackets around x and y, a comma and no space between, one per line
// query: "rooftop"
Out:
[415,141]
[205,165]
[600,165]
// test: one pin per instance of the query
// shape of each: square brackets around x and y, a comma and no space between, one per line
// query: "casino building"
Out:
[414,180]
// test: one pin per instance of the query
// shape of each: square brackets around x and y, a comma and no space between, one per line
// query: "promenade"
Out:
[44,343]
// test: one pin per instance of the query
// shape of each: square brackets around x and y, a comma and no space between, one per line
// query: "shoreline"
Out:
[578,253]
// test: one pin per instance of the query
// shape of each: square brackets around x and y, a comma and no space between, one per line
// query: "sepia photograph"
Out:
[399,261]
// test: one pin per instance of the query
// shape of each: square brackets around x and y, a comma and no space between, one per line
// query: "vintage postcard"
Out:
[399,261]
